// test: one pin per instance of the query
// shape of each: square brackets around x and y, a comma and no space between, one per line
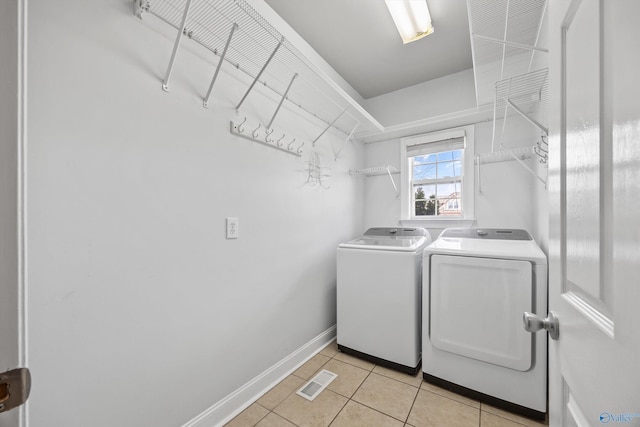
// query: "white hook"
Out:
[255,132]
[278,143]
[290,146]
[266,137]
[300,148]
[542,154]
[240,128]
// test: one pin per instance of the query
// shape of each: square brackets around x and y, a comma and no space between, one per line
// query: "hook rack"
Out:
[542,149]
[263,138]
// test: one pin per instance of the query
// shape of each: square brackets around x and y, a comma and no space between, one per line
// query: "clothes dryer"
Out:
[477,283]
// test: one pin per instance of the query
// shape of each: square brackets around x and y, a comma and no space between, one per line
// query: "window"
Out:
[437,176]
[436,180]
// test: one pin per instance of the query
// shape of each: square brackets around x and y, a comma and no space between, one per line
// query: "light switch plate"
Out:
[233,228]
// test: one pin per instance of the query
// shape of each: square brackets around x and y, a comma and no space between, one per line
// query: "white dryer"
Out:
[379,286]
[477,283]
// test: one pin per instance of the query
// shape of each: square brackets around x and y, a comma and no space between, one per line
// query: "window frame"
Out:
[468,181]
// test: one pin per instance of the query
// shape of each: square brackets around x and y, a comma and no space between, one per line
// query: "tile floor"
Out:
[365,394]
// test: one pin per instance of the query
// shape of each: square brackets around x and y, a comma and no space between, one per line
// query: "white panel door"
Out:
[594,270]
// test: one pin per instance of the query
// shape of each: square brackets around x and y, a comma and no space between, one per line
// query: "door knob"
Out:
[533,323]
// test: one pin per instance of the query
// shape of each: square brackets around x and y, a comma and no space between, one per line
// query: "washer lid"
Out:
[487,233]
[474,244]
[391,239]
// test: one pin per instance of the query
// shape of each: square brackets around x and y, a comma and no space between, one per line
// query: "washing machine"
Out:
[477,283]
[379,285]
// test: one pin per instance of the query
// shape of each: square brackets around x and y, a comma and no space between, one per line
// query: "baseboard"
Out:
[227,408]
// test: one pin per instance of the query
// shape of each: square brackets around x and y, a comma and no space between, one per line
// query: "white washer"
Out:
[379,296]
[477,283]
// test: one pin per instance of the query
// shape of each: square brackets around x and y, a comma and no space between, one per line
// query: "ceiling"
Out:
[359,40]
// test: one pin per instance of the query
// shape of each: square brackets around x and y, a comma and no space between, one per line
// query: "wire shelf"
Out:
[523,153]
[210,22]
[525,95]
[505,37]
[379,171]
[375,171]
[515,154]
[529,92]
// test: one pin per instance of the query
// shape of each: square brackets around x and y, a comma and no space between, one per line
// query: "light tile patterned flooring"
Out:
[365,394]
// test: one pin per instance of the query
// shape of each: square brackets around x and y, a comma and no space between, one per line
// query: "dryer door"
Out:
[476,307]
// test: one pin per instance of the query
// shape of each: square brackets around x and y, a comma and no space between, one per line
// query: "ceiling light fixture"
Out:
[412,18]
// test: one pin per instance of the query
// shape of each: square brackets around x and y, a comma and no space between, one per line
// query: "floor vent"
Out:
[318,383]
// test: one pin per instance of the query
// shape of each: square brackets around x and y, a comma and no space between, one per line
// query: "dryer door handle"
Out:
[533,323]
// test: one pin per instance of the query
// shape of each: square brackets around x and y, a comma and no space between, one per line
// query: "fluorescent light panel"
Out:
[412,18]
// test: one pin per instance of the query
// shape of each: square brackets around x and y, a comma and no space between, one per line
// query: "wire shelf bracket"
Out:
[346,141]
[328,127]
[139,7]
[176,46]
[264,67]
[205,102]
[281,101]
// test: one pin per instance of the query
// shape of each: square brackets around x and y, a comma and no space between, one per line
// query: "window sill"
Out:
[437,223]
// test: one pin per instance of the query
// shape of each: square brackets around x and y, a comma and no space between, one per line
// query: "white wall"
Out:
[9,146]
[448,94]
[511,197]
[141,313]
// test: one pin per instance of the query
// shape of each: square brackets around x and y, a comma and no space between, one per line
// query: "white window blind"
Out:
[435,147]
